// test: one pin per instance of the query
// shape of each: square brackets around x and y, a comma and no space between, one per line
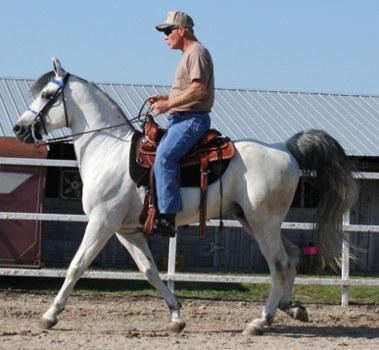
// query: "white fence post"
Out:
[345,272]
[172,261]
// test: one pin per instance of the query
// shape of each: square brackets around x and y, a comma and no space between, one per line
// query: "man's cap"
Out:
[176,19]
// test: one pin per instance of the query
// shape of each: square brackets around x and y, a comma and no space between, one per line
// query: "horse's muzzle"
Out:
[24,133]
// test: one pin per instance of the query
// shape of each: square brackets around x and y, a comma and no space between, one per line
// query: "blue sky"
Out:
[296,45]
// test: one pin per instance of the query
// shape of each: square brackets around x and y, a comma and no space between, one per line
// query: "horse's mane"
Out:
[45,78]
[111,101]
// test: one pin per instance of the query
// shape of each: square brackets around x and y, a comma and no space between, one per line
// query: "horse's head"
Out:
[47,112]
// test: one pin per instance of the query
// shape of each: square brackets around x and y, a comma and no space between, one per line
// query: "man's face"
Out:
[174,38]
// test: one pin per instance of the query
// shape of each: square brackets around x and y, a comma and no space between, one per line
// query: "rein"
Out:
[69,138]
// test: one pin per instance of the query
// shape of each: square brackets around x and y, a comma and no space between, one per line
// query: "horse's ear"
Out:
[58,70]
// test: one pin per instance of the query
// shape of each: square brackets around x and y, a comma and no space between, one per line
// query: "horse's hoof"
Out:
[176,327]
[47,324]
[298,312]
[252,331]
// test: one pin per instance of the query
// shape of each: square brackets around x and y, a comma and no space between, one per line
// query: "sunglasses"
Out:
[169,30]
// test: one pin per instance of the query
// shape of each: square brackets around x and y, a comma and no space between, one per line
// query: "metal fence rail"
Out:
[172,276]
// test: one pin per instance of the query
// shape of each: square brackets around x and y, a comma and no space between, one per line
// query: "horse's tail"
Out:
[330,171]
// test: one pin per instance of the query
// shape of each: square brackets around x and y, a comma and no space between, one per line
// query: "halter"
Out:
[39,116]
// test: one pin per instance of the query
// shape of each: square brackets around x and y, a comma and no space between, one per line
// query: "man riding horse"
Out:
[188,104]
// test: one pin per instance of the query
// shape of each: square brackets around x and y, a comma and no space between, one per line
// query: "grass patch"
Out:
[364,295]
[244,291]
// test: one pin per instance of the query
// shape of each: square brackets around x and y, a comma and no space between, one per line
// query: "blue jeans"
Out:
[183,132]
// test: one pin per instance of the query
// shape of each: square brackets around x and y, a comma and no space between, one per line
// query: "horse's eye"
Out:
[46,96]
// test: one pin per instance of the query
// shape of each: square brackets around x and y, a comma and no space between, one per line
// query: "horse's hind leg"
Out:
[93,241]
[268,236]
[293,309]
[137,246]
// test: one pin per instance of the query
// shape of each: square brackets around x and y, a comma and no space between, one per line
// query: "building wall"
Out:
[366,212]
[231,250]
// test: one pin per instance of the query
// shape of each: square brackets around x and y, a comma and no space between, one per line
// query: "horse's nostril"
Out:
[17,129]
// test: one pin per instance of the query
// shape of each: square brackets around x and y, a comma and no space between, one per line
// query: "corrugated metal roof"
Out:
[268,116]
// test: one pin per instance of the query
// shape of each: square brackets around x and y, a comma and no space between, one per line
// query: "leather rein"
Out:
[39,116]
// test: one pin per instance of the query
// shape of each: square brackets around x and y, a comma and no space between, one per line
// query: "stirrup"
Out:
[165,227]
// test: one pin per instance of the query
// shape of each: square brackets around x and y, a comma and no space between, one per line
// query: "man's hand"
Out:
[159,104]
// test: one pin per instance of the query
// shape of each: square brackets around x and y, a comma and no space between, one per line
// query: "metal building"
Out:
[268,116]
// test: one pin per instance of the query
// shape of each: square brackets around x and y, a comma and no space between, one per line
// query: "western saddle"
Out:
[212,149]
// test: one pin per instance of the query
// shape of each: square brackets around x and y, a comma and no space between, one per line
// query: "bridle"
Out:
[39,116]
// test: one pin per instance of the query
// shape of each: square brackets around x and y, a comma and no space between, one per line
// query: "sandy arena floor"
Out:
[108,322]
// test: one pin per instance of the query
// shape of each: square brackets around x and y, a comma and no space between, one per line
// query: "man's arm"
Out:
[162,104]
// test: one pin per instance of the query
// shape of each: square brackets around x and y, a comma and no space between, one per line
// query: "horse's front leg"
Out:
[95,238]
[137,246]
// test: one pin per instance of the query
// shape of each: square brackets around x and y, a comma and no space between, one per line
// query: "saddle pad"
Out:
[189,176]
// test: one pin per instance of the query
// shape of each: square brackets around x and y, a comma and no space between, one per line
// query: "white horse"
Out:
[258,188]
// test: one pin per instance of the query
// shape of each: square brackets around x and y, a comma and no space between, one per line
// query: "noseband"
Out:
[39,116]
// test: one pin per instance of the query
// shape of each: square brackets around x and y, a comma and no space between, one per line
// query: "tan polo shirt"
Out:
[195,63]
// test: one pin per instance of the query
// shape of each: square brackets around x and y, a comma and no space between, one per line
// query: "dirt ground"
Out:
[109,322]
